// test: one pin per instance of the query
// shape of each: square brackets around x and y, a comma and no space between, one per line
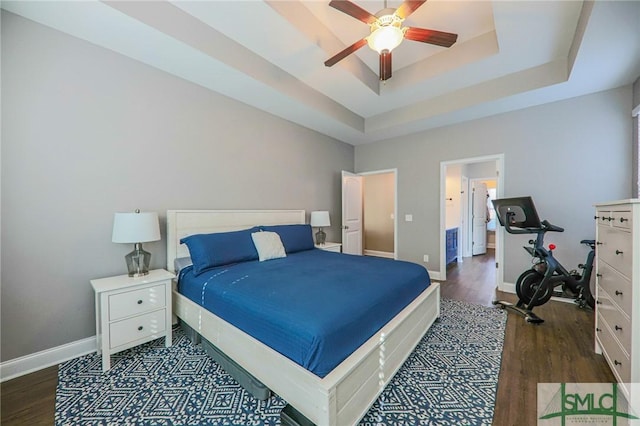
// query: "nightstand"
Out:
[131,311]
[337,247]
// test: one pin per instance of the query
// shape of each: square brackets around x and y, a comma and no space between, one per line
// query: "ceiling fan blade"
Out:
[346,52]
[385,65]
[353,10]
[408,7]
[431,36]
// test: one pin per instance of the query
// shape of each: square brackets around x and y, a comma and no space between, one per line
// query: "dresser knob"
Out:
[618,293]
[616,362]
[622,220]
[604,218]
[599,275]
[140,328]
[618,328]
[598,330]
[139,302]
[619,252]
[610,219]
[598,243]
[598,302]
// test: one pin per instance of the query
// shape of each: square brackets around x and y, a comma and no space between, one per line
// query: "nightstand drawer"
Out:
[134,302]
[136,328]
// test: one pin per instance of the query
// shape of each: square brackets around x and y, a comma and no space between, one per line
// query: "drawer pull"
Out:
[598,330]
[140,302]
[618,293]
[623,220]
[595,217]
[598,243]
[140,328]
[618,328]
[599,275]
[619,252]
[616,362]
[598,302]
[610,219]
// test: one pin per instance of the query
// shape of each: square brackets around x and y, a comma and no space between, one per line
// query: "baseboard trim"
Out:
[37,361]
[511,288]
[387,254]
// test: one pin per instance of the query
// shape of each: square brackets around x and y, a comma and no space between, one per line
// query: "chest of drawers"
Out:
[131,311]
[617,325]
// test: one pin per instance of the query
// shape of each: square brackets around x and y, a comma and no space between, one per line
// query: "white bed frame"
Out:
[343,396]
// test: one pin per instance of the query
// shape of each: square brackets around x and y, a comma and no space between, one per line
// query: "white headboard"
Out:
[182,223]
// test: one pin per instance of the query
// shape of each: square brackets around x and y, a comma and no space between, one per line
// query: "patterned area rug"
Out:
[450,379]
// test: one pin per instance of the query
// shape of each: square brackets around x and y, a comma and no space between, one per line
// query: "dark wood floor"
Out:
[559,350]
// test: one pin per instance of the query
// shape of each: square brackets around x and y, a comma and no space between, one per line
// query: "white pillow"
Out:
[269,245]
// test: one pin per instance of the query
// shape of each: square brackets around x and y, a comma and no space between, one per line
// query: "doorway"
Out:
[457,179]
[371,197]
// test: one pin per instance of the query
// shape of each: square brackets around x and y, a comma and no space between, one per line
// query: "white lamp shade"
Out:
[136,227]
[320,219]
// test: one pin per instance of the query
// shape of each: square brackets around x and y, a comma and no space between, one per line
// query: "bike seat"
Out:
[590,243]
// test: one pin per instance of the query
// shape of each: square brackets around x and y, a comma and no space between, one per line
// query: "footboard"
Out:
[344,395]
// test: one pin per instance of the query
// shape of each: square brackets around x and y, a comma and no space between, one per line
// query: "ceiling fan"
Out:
[387,32]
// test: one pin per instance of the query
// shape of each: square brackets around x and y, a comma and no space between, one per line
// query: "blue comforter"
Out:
[314,307]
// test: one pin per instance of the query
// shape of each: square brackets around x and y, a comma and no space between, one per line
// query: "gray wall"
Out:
[568,155]
[86,133]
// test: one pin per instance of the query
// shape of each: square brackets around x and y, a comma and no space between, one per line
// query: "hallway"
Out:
[473,280]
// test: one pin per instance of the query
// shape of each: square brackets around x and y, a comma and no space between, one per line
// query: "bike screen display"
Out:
[522,211]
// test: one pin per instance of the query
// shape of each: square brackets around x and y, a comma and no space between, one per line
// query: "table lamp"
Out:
[136,228]
[320,219]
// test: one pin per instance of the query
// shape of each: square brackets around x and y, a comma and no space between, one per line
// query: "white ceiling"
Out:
[510,54]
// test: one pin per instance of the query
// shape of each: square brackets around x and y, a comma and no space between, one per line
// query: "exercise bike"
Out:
[547,277]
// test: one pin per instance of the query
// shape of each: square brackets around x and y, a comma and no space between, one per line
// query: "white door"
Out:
[479,218]
[351,213]
[465,247]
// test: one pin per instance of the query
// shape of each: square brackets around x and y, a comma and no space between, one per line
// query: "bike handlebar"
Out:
[545,227]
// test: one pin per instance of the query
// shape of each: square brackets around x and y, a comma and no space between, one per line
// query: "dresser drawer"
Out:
[615,248]
[619,324]
[136,328]
[622,219]
[618,360]
[603,217]
[617,286]
[134,302]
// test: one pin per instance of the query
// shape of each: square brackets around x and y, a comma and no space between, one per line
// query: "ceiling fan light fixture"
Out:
[386,37]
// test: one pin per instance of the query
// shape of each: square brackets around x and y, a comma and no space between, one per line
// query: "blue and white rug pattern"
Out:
[450,379]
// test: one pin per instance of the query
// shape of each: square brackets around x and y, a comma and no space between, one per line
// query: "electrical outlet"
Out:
[426,257]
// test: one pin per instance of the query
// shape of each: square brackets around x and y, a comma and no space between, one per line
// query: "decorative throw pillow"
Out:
[294,237]
[268,245]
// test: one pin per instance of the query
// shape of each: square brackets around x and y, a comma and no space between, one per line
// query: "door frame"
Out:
[394,171]
[499,159]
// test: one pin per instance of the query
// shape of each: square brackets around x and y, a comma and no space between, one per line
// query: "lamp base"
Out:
[138,261]
[321,237]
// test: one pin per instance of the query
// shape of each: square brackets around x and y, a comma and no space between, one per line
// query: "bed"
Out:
[338,395]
